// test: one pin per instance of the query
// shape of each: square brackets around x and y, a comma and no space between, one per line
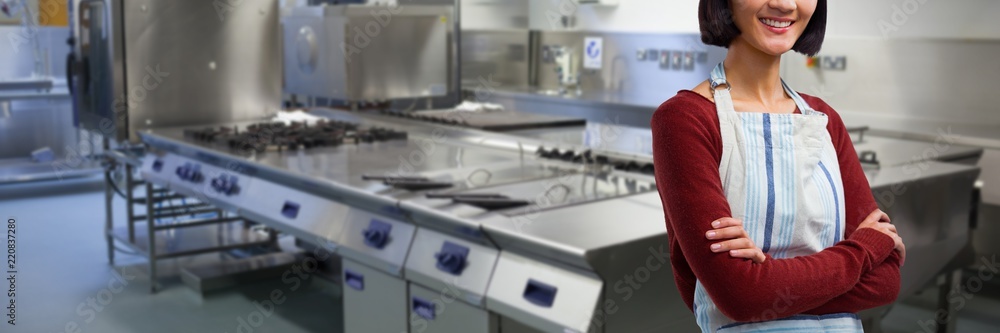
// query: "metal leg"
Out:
[109,197]
[128,199]
[151,230]
[952,282]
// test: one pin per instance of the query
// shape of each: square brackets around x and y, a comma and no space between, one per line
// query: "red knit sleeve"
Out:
[881,285]
[686,153]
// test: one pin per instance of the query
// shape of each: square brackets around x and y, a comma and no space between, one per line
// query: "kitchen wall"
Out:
[34,124]
[495,14]
[931,80]
[932,60]
[658,16]
[848,18]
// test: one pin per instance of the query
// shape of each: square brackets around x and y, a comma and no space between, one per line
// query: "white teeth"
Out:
[776,24]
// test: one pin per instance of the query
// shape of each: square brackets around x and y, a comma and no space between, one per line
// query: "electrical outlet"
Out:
[677,60]
[547,56]
[653,55]
[834,63]
[688,61]
[665,60]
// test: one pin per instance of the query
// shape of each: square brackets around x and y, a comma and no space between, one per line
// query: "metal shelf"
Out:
[191,240]
[17,170]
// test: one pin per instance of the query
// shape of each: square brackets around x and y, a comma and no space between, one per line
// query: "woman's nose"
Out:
[785,6]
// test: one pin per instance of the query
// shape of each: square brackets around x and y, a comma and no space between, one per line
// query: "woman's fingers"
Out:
[726,222]
[902,252]
[754,254]
[878,216]
[727,233]
[733,244]
[735,240]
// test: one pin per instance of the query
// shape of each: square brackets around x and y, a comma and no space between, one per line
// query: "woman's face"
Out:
[772,26]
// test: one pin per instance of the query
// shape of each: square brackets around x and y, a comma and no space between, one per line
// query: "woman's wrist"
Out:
[876,244]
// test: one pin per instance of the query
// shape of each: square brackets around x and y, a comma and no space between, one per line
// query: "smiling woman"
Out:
[803,33]
[771,222]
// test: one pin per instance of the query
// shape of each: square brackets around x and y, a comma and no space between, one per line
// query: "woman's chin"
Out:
[777,48]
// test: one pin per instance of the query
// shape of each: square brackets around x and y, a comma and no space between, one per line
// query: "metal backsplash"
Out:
[340,52]
[499,56]
[233,73]
[640,79]
[176,62]
[947,81]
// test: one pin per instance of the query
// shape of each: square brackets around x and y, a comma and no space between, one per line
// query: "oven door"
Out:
[90,70]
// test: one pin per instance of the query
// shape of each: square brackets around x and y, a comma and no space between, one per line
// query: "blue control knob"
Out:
[377,234]
[452,258]
[449,262]
[376,238]
[189,172]
[217,184]
[195,176]
[232,187]
[225,184]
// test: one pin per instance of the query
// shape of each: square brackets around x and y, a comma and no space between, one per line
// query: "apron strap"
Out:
[724,100]
[799,102]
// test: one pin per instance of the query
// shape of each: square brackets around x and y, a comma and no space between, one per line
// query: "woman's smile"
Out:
[777,25]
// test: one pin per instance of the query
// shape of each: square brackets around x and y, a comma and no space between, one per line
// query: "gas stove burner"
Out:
[295,135]
[587,157]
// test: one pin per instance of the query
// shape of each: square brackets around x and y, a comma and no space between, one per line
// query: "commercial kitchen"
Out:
[441,165]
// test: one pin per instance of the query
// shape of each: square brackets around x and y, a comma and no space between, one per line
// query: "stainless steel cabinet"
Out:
[442,312]
[373,301]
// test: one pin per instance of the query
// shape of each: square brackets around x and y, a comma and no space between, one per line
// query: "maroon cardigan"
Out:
[859,273]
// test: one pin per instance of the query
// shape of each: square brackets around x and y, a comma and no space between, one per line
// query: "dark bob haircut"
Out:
[715,17]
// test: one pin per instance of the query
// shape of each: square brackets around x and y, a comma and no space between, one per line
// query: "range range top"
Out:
[292,135]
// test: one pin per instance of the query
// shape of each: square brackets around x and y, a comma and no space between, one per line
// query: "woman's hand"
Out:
[734,238]
[879,221]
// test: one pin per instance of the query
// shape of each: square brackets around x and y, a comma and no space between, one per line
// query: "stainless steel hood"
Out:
[161,63]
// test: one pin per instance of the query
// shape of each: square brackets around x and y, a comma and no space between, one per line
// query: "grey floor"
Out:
[62,262]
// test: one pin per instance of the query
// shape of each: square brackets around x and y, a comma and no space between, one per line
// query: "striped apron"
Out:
[781,176]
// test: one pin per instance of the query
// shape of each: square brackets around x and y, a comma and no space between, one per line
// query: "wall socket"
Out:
[665,59]
[833,63]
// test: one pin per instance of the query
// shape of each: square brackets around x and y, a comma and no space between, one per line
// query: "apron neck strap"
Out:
[724,100]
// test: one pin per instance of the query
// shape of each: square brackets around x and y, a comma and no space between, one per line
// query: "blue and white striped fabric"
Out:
[781,176]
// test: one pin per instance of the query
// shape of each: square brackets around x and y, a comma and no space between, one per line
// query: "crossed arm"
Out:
[847,277]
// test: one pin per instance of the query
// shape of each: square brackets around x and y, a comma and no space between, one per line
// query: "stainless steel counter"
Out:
[562,230]
[632,111]
[610,108]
